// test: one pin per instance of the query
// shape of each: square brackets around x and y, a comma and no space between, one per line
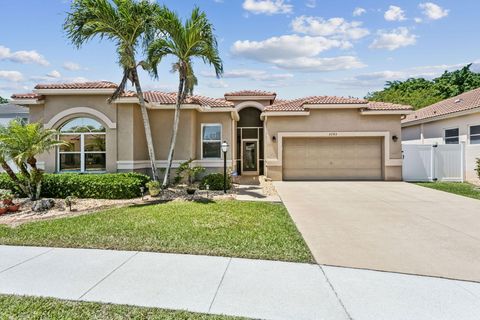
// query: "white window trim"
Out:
[201,139]
[445,134]
[81,152]
[470,134]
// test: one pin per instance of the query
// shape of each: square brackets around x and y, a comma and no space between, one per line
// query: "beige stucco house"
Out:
[313,138]
[451,121]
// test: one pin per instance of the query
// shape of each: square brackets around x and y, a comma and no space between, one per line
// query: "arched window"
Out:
[86,148]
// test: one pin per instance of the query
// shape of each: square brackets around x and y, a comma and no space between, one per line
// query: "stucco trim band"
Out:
[144,164]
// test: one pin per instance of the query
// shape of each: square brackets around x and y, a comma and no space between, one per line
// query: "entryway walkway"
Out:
[242,287]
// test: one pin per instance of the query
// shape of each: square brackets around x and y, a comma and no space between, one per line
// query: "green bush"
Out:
[478,167]
[96,186]
[215,181]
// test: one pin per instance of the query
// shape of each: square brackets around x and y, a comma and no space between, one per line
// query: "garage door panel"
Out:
[332,159]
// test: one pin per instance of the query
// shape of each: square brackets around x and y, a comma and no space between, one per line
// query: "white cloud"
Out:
[359,11]
[311,3]
[334,27]
[285,47]
[418,20]
[252,74]
[394,13]
[54,74]
[268,7]
[394,39]
[318,64]
[13,76]
[71,66]
[433,11]
[22,56]
[217,84]
[294,52]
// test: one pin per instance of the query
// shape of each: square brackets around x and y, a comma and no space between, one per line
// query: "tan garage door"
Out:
[332,159]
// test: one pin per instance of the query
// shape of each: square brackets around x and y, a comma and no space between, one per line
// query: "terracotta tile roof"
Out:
[463,102]
[128,94]
[171,98]
[374,105]
[257,93]
[78,85]
[20,96]
[302,104]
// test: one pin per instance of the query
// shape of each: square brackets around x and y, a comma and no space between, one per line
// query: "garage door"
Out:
[332,159]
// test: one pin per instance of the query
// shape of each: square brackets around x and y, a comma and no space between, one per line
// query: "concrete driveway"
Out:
[388,226]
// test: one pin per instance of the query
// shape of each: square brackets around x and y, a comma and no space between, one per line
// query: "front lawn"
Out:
[16,307]
[462,189]
[223,228]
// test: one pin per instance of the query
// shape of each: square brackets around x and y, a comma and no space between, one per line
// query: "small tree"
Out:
[22,143]
[186,171]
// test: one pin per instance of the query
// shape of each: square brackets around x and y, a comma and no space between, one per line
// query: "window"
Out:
[475,134]
[451,136]
[211,141]
[85,149]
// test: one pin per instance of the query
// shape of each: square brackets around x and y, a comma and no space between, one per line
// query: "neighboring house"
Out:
[314,138]
[11,111]
[451,121]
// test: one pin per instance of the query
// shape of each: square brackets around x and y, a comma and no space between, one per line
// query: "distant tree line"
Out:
[420,92]
[3,100]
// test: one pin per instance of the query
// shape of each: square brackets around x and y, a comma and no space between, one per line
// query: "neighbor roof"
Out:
[302,104]
[79,85]
[9,109]
[463,102]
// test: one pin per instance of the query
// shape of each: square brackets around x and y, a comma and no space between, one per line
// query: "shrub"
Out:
[97,186]
[154,188]
[215,181]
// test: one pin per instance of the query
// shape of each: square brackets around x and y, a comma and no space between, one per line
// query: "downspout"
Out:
[234,144]
[421,134]
[265,170]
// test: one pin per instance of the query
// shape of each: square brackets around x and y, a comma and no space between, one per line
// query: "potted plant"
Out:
[3,209]
[6,196]
[13,207]
[186,172]
[154,188]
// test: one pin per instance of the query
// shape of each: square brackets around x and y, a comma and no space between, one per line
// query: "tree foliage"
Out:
[3,100]
[420,92]
[22,143]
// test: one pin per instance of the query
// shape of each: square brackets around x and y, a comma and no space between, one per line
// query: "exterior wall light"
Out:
[274,139]
[395,138]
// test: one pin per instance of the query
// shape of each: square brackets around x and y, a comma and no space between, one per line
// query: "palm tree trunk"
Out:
[146,125]
[173,140]
[13,176]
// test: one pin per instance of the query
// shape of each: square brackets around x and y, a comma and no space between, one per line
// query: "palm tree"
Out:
[22,143]
[183,41]
[129,24]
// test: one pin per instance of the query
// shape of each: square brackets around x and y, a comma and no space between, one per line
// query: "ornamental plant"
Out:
[186,172]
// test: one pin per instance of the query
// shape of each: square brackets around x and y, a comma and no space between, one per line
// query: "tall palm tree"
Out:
[22,143]
[183,41]
[128,23]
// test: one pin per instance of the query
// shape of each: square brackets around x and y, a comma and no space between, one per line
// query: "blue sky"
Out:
[296,48]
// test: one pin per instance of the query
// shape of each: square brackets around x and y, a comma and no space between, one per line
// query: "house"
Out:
[9,112]
[313,138]
[451,121]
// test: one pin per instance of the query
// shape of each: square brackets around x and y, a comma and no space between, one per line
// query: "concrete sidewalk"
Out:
[241,287]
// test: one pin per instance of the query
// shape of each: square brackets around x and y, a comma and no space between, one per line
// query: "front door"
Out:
[250,157]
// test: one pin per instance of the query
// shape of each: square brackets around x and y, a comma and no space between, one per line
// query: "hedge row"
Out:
[96,186]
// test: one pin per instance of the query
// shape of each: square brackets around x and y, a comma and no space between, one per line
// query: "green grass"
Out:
[224,228]
[16,307]
[462,189]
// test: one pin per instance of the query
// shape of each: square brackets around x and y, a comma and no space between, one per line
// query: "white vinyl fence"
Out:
[433,162]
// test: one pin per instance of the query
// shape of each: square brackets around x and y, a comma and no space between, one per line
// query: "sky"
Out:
[295,48]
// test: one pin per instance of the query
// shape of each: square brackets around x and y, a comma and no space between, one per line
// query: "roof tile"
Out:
[254,93]
[20,96]
[79,85]
[463,102]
